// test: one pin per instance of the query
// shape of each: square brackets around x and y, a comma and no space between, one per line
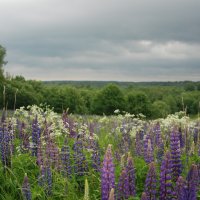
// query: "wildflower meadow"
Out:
[45,155]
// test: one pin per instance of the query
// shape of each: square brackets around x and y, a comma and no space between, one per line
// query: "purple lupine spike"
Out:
[26,189]
[175,155]
[139,144]
[96,161]
[193,177]
[166,192]
[148,150]
[40,155]
[65,157]
[160,151]
[5,144]
[53,154]
[123,186]
[35,136]
[144,196]
[107,174]
[45,178]
[42,176]
[180,189]
[49,180]
[131,176]
[80,162]
[150,183]
[157,131]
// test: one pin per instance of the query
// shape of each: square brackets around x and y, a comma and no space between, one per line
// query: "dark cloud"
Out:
[104,40]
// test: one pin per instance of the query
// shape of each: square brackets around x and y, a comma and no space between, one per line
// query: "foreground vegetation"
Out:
[48,156]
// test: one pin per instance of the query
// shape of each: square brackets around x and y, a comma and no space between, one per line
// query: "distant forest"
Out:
[153,99]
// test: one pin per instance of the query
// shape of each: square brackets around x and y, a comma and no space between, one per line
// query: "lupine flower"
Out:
[96,162]
[80,162]
[107,174]
[123,186]
[188,189]
[131,176]
[49,180]
[150,183]
[148,150]
[35,136]
[139,144]
[166,192]
[26,188]
[52,154]
[40,155]
[160,151]
[175,155]
[5,144]
[193,177]
[65,157]
[180,188]
[157,134]
[45,179]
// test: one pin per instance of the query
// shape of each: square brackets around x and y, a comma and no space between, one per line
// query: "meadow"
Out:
[46,155]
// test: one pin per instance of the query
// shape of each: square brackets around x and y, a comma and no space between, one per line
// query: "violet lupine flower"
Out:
[45,178]
[160,151]
[175,155]
[150,183]
[123,186]
[65,157]
[40,155]
[180,189]
[144,196]
[49,180]
[193,178]
[26,188]
[131,177]
[166,192]
[52,154]
[5,144]
[80,162]
[139,144]
[35,136]
[148,150]
[107,174]
[157,134]
[42,176]
[96,162]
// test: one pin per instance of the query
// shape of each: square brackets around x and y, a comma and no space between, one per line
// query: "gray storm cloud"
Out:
[102,40]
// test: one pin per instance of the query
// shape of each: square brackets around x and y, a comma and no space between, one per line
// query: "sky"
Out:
[119,40]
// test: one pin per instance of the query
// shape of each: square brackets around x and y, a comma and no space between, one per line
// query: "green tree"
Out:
[160,109]
[108,100]
[138,103]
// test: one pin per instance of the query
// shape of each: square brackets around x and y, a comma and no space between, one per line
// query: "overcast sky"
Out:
[123,40]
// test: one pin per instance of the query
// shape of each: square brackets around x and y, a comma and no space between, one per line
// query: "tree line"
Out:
[153,101]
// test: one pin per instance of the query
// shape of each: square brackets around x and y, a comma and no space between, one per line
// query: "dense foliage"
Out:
[152,101]
[45,155]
